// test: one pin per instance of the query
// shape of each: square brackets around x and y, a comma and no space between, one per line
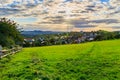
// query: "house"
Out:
[29,40]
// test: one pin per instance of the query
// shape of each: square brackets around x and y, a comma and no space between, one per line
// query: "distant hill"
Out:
[37,32]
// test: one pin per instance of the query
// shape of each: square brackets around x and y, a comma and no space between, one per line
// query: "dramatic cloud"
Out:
[60,14]
[107,21]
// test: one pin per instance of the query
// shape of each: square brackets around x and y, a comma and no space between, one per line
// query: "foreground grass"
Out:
[88,61]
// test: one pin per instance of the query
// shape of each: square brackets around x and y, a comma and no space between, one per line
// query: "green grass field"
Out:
[87,61]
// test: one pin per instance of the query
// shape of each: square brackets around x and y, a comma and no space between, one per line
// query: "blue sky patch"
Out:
[105,0]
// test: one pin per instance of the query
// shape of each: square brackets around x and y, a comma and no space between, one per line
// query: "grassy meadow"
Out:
[87,61]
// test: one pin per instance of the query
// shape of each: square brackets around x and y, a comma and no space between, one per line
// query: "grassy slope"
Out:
[89,61]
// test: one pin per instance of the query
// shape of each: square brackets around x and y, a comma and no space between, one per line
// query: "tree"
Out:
[105,35]
[9,33]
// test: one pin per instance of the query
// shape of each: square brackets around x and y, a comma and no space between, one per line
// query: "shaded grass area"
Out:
[88,61]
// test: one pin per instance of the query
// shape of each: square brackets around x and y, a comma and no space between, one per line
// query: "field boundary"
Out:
[5,53]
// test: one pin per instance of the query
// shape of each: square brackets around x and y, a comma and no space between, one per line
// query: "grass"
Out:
[87,61]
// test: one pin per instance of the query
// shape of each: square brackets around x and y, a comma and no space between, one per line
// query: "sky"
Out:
[63,15]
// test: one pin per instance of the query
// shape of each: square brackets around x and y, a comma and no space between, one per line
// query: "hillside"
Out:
[87,61]
[37,32]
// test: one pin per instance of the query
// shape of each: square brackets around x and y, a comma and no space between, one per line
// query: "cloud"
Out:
[57,13]
[116,27]
[8,11]
[84,23]
[107,21]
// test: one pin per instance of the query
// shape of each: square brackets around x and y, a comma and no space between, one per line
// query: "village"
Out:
[69,38]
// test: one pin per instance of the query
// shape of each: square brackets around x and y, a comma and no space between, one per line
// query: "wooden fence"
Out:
[4,53]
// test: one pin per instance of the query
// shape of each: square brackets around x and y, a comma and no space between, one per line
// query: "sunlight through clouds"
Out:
[59,14]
